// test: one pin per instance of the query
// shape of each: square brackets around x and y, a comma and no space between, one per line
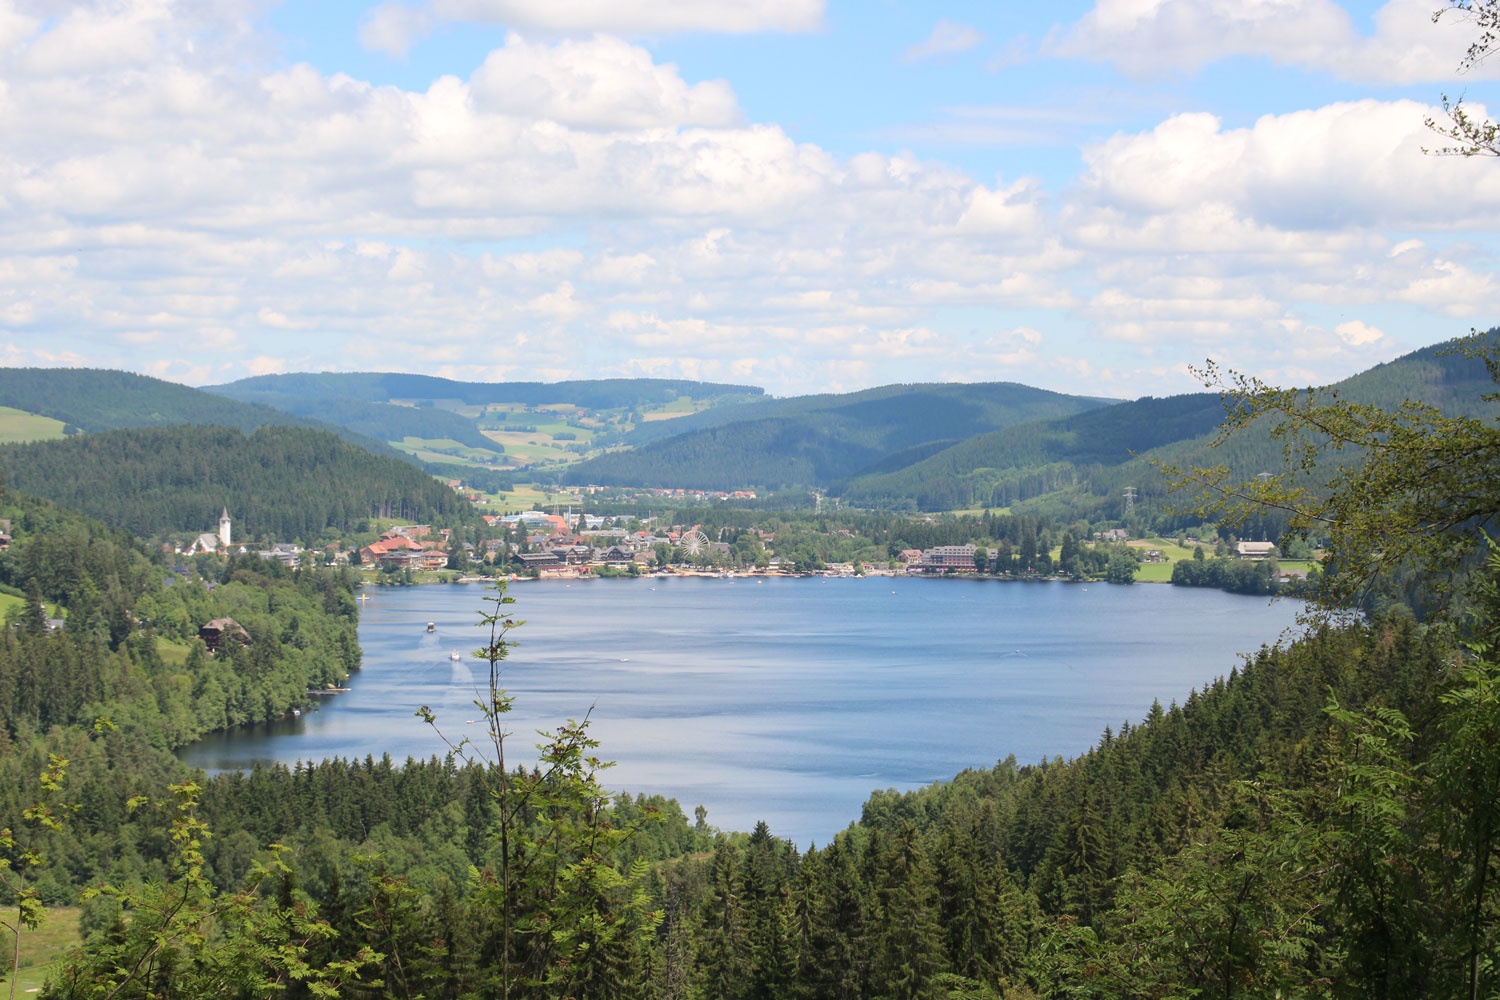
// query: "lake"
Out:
[783,699]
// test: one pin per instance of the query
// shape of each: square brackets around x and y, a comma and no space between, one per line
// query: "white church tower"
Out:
[224,530]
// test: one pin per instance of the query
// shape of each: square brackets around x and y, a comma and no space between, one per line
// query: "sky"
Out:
[803,195]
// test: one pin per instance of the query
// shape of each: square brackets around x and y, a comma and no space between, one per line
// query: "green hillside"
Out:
[96,399]
[280,483]
[818,440]
[1091,457]
[129,649]
[384,421]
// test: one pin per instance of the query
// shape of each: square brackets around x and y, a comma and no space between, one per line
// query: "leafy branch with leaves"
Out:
[1412,492]
[569,921]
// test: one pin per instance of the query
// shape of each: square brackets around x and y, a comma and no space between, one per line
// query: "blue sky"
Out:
[799,194]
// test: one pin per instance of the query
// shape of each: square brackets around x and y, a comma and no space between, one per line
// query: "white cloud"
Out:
[1153,37]
[213,216]
[1358,334]
[947,38]
[393,28]
[1013,209]
[1009,348]
[15,27]
[263,364]
[1454,289]
[1347,165]
[558,304]
[600,83]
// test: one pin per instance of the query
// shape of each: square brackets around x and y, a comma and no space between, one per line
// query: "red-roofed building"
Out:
[389,549]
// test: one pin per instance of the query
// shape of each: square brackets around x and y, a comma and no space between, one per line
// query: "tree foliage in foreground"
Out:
[1417,502]
[1320,823]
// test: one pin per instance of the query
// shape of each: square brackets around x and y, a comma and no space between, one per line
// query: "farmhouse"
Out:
[221,630]
[1255,550]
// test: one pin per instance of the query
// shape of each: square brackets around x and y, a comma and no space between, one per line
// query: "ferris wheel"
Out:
[693,542]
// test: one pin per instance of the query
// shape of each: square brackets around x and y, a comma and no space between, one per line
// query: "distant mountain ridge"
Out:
[382,387]
[998,404]
[818,440]
[1098,453]
[99,399]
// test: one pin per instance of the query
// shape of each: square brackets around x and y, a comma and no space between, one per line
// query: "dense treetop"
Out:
[279,483]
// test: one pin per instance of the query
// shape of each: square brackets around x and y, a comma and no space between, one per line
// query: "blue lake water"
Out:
[787,700]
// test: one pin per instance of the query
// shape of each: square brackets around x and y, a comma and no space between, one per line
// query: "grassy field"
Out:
[1154,573]
[1161,572]
[679,407]
[9,601]
[18,427]
[43,948]
[1168,547]
[175,653]
[529,496]
[533,447]
[446,450]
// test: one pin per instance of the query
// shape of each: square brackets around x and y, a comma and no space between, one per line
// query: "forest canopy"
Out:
[279,483]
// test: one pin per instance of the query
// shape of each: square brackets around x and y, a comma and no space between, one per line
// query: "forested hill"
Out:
[818,440]
[279,483]
[1086,460]
[290,390]
[383,421]
[128,646]
[96,399]
[1025,461]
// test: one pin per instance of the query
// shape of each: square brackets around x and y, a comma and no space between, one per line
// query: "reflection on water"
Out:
[788,700]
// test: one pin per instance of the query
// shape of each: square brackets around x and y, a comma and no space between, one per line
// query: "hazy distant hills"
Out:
[904,447]
[382,387]
[366,401]
[464,423]
[818,440]
[96,399]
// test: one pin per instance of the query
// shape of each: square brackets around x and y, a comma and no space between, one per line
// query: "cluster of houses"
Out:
[554,542]
[411,546]
[557,543]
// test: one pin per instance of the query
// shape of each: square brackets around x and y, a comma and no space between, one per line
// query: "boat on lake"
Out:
[432,626]
[453,655]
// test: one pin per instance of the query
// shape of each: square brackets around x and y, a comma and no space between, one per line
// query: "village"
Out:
[534,544]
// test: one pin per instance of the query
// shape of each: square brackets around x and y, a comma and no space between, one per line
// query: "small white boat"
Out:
[432,626]
[454,655]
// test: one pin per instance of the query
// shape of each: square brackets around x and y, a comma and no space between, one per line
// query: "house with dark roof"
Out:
[222,630]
